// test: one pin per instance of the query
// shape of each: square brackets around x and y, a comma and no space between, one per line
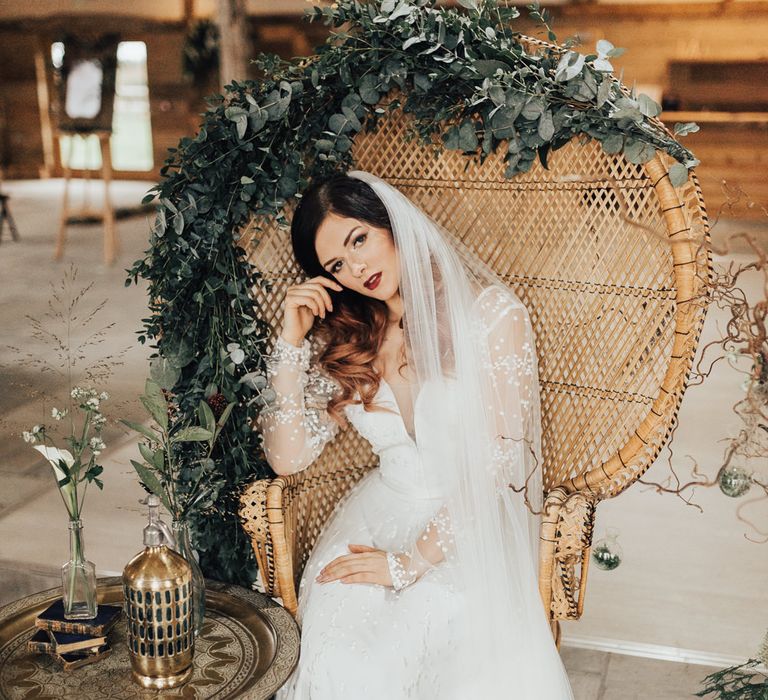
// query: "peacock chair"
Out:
[611,261]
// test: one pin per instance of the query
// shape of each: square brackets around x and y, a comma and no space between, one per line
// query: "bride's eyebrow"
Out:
[346,240]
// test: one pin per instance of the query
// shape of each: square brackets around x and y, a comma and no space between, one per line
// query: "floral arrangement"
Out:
[73,470]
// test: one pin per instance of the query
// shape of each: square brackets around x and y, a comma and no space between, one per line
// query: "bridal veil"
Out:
[463,325]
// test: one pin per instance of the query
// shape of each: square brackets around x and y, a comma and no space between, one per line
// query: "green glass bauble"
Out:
[607,552]
[734,481]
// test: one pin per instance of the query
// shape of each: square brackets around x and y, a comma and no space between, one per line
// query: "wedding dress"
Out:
[368,641]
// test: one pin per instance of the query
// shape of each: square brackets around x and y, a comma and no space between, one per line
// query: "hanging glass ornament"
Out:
[607,552]
[734,481]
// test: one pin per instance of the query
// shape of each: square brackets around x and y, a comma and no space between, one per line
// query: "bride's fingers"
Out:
[348,564]
[364,577]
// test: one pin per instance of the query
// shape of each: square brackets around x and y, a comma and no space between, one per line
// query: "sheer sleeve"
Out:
[294,423]
[511,363]
[517,460]
[516,403]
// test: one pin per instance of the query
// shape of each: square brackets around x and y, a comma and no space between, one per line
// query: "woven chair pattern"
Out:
[607,256]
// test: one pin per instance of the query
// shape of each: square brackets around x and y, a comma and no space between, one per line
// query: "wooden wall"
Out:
[731,147]
[27,149]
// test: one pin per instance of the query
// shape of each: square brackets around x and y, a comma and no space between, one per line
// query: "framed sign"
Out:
[85,83]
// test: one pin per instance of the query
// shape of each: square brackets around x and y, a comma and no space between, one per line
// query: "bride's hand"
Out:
[365,565]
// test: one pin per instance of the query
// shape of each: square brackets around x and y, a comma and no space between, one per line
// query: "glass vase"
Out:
[78,578]
[184,547]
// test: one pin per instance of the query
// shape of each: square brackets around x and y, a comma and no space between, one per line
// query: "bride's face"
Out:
[353,251]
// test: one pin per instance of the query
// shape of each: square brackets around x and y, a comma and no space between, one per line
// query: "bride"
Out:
[424,581]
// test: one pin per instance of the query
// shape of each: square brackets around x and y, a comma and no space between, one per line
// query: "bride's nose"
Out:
[358,268]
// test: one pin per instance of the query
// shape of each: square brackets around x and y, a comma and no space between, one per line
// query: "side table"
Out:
[248,647]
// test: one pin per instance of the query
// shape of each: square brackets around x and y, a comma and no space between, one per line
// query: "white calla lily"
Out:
[68,490]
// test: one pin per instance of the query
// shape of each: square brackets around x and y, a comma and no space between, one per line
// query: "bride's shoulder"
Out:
[494,303]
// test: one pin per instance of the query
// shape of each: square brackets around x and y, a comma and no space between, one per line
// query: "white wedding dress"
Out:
[363,641]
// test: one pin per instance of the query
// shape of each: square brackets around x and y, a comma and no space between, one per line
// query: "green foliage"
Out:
[466,79]
[736,683]
[187,481]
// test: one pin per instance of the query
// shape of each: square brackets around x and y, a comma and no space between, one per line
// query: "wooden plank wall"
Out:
[652,34]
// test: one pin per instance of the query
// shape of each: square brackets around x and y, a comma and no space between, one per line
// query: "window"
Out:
[131,140]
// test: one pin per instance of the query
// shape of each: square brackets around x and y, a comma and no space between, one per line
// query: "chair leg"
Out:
[5,213]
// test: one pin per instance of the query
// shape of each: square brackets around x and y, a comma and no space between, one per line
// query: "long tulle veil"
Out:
[463,323]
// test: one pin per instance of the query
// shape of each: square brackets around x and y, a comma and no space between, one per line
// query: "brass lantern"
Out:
[157,590]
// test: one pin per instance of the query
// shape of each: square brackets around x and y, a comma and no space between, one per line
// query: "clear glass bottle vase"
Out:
[78,578]
[184,547]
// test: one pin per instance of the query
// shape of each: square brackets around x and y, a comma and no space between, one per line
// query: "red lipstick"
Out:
[373,281]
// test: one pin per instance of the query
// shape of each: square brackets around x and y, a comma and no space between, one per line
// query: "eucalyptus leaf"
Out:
[546,126]
[648,106]
[489,67]
[638,152]
[678,174]
[533,108]
[613,143]
[503,122]
[604,91]
[684,128]
[192,434]
[467,136]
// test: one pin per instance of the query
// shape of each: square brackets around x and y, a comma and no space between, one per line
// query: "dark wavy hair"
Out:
[353,333]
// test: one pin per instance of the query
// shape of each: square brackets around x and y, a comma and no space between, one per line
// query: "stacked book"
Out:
[74,643]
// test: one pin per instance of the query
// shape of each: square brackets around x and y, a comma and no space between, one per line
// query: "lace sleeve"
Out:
[516,402]
[517,462]
[295,425]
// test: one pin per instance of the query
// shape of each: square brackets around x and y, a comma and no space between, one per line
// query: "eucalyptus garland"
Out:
[464,75]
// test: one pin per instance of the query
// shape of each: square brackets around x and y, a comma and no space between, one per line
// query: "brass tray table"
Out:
[248,647]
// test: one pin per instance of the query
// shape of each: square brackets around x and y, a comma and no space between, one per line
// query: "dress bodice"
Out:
[407,465]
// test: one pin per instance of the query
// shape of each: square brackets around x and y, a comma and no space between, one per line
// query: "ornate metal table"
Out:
[248,647]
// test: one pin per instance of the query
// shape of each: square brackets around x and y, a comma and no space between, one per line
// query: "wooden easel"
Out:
[107,214]
[5,214]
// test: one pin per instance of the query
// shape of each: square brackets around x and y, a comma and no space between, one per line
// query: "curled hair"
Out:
[353,333]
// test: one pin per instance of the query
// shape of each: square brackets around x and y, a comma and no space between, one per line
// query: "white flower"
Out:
[93,402]
[103,395]
[53,455]
[28,437]
[96,443]
[57,414]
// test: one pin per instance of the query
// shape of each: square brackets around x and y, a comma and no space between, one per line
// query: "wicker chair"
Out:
[611,261]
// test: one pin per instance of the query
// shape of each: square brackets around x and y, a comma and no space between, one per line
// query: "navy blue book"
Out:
[50,642]
[52,618]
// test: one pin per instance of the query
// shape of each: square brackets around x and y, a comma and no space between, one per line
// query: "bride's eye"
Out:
[361,237]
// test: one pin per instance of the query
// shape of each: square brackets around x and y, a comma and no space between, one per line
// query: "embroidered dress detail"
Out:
[295,426]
